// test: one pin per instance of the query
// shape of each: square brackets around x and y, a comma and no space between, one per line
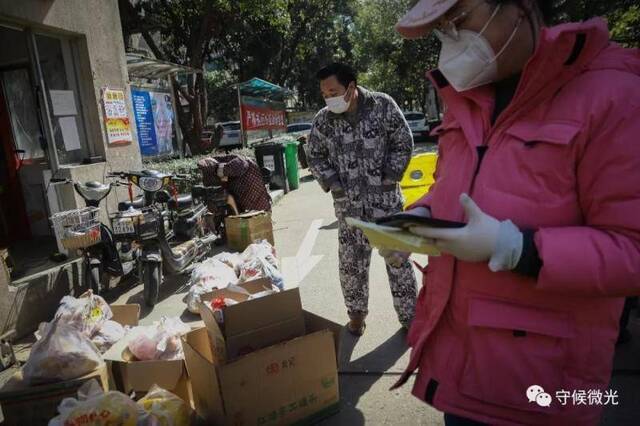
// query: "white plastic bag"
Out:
[261,249]
[86,313]
[207,276]
[158,341]
[161,407]
[215,273]
[233,260]
[110,333]
[95,407]
[259,267]
[63,353]
[192,298]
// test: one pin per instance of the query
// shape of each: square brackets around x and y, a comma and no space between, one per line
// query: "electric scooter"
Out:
[171,230]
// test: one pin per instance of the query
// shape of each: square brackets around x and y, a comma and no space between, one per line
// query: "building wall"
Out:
[102,63]
[95,28]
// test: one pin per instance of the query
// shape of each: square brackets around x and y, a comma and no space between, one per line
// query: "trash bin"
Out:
[291,158]
[271,156]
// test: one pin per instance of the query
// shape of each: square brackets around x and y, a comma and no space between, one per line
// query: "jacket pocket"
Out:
[552,132]
[510,348]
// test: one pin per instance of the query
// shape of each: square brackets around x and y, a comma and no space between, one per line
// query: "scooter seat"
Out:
[138,203]
[184,201]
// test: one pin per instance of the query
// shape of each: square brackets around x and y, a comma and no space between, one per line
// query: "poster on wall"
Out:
[153,113]
[116,117]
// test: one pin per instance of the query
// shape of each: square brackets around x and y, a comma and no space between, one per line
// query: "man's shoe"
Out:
[357,325]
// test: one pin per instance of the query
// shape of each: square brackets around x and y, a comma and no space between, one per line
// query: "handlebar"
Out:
[60,180]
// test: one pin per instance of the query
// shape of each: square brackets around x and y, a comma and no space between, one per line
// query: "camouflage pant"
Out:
[355,257]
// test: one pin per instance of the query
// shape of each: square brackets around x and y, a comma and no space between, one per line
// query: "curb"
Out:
[276,196]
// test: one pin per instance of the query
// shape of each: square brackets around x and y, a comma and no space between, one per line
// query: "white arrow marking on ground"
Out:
[295,269]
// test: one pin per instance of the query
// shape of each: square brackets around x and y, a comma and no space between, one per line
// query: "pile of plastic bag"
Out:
[158,341]
[211,274]
[260,261]
[226,270]
[161,407]
[91,315]
[71,345]
[62,353]
[87,313]
[96,407]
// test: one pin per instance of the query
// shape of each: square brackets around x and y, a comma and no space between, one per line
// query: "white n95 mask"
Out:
[469,61]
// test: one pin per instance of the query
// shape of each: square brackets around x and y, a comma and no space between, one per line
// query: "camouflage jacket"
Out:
[362,165]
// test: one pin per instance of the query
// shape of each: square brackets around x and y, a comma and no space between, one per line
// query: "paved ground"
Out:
[368,365]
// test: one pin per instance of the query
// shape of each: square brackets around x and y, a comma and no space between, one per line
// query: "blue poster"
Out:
[144,123]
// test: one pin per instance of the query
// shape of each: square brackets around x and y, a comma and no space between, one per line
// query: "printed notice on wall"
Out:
[63,102]
[116,117]
[69,130]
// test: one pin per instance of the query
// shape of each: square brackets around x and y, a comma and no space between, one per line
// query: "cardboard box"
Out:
[23,404]
[289,382]
[253,324]
[244,229]
[129,375]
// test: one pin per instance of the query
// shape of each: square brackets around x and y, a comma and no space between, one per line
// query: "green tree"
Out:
[623,16]
[387,62]
[191,33]
[289,48]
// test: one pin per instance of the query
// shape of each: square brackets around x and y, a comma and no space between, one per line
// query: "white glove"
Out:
[397,258]
[484,238]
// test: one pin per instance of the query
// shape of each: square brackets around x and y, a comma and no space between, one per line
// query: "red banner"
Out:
[255,118]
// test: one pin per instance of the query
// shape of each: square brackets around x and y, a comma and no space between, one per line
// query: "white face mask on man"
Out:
[469,61]
[337,104]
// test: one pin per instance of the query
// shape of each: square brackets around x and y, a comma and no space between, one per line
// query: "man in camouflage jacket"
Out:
[358,149]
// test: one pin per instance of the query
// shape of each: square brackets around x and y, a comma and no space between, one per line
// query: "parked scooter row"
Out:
[161,230]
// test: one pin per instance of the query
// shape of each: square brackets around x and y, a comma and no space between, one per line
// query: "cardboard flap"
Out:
[225,293]
[257,286]
[204,377]
[141,375]
[217,344]
[315,323]
[126,314]
[249,214]
[242,344]
[258,313]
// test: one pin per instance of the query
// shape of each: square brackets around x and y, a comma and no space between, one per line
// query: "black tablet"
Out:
[404,220]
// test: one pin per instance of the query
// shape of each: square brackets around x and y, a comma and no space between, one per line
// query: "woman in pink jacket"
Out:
[539,153]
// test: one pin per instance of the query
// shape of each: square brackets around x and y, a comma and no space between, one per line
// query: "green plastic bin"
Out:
[291,158]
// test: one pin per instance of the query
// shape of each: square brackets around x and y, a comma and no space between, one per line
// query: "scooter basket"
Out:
[79,228]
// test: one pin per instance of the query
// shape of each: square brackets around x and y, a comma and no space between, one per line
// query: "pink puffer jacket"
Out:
[562,159]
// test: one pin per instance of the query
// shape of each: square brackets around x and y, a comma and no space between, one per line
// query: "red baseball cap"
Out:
[419,20]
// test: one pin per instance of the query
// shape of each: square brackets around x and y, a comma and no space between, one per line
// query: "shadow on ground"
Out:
[356,380]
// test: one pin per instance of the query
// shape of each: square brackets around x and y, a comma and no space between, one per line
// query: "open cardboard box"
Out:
[130,375]
[288,382]
[244,229]
[253,324]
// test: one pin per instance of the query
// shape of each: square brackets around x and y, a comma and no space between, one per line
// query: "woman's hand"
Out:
[485,238]
[397,258]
